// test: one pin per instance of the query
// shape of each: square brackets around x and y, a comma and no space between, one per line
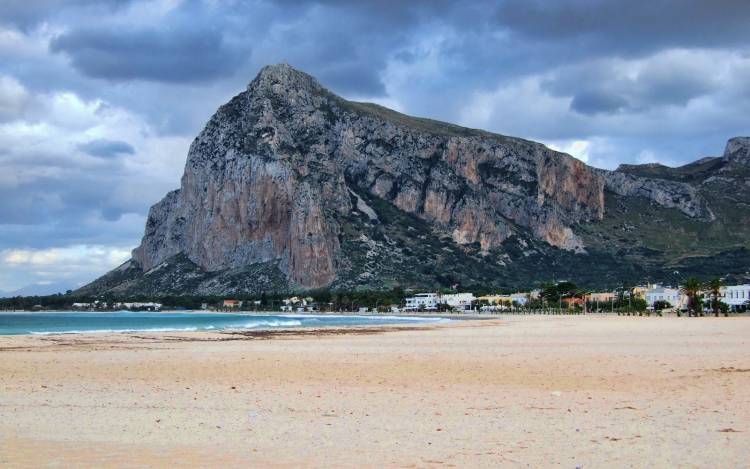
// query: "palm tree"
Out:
[692,288]
[630,291]
[714,286]
[584,294]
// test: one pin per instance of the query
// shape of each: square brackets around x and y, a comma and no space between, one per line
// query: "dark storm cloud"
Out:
[344,54]
[344,44]
[626,26]
[26,14]
[71,199]
[106,148]
[388,15]
[611,86]
[596,101]
[331,55]
[183,55]
[490,41]
[675,84]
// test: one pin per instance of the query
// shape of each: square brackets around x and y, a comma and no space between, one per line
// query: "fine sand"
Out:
[537,391]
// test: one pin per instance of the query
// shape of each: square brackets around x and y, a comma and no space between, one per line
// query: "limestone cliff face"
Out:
[272,174]
[670,194]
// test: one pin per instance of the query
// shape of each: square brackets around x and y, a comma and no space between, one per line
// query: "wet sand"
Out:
[533,390]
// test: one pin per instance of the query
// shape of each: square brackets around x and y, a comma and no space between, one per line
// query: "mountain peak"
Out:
[285,75]
[738,148]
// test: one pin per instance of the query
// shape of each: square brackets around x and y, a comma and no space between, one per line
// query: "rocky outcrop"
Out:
[280,174]
[670,194]
[738,146]
[272,170]
[738,150]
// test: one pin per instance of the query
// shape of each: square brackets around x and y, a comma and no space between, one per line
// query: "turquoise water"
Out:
[125,321]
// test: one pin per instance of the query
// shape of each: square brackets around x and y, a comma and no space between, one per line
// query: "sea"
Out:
[71,322]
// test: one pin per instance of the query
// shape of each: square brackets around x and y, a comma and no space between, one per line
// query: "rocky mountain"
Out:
[290,187]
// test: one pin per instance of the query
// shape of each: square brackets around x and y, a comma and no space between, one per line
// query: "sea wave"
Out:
[267,323]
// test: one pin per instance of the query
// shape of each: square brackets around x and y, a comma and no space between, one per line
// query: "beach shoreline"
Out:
[586,391]
[73,322]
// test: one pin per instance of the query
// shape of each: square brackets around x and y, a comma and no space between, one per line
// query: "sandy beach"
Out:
[537,391]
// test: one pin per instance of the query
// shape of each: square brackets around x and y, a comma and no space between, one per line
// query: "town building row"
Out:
[736,297]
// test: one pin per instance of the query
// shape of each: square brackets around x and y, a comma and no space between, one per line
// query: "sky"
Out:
[100,99]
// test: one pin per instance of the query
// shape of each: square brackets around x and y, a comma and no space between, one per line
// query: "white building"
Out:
[520,299]
[735,295]
[148,306]
[95,305]
[459,301]
[298,301]
[422,301]
[672,296]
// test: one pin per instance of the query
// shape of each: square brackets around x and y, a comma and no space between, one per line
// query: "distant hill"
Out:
[290,187]
[38,289]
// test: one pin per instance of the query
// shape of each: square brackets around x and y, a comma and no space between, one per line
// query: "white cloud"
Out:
[577,148]
[72,256]
[520,109]
[646,156]
[74,264]
[13,97]
[15,45]
[44,142]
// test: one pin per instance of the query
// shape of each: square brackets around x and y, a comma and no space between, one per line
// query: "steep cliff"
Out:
[291,187]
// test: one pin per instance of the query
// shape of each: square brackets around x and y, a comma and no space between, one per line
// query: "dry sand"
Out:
[525,391]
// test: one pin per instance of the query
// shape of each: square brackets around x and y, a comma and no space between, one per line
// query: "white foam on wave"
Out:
[267,323]
[250,325]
